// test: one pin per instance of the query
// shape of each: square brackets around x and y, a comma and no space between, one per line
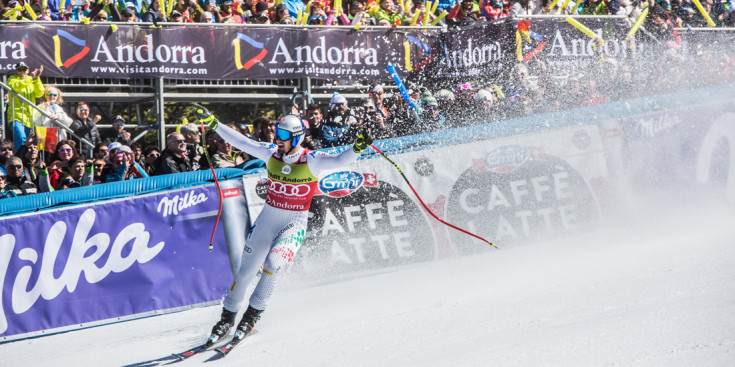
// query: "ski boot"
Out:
[222,326]
[245,327]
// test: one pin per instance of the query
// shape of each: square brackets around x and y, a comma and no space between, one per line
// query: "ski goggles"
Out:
[283,135]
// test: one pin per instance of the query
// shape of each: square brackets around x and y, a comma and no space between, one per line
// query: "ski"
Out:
[198,349]
[237,339]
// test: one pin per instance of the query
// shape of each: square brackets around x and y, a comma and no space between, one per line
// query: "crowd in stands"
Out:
[681,13]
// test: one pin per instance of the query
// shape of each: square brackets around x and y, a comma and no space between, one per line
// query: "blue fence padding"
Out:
[112,190]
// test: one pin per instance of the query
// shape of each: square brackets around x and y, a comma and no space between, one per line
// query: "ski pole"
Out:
[200,111]
[424,204]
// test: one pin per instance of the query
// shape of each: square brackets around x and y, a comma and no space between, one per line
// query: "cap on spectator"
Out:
[483,95]
[260,7]
[227,2]
[21,65]
[337,99]
[118,118]
[113,147]
[123,148]
[130,5]
[175,14]
[428,100]
[280,7]
[376,89]
[127,11]
[444,95]
[463,87]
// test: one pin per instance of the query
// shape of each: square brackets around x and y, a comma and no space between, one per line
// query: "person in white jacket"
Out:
[51,104]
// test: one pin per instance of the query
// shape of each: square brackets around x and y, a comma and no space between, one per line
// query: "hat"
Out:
[21,65]
[175,13]
[261,6]
[113,147]
[444,95]
[130,5]
[118,118]
[337,99]
[280,7]
[227,2]
[428,100]
[127,11]
[123,148]
[376,89]
[483,95]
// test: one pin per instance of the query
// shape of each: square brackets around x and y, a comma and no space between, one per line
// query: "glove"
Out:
[203,115]
[362,142]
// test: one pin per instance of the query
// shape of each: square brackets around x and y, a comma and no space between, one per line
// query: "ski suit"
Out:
[279,230]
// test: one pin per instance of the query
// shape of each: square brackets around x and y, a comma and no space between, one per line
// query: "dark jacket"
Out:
[87,130]
[336,129]
[169,162]
[20,185]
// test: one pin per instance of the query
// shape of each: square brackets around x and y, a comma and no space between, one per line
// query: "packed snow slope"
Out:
[660,292]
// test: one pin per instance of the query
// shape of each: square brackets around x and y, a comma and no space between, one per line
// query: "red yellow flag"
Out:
[47,138]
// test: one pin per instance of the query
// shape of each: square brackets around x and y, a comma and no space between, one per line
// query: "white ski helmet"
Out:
[290,127]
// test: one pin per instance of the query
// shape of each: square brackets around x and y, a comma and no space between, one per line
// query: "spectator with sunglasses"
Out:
[20,115]
[97,166]
[3,192]
[85,127]
[173,159]
[64,152]
[51,105]
[339,122]
[17,182]
[31,161]
[150,154]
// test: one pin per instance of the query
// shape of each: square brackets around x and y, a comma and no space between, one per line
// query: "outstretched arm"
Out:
[256,149]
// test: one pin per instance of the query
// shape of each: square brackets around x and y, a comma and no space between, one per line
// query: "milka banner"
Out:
[205,52]
[69,268]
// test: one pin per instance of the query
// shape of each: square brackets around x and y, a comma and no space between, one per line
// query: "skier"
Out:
[279,230]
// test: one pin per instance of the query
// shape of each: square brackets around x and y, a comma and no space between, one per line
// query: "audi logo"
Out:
[288,189]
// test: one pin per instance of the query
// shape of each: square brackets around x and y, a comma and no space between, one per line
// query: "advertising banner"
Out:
[688,148]
[211,53]
[67,268]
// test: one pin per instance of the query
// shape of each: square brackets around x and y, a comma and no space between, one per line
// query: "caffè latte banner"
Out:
[229,53]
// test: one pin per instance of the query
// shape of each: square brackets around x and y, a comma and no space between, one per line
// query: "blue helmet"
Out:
[290,127]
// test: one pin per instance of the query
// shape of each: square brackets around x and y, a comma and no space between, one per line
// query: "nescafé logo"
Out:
[251,62]
[506,159]
[71,38]
[341,184]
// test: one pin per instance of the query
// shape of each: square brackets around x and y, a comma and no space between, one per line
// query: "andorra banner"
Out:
[209,53]
[79,266]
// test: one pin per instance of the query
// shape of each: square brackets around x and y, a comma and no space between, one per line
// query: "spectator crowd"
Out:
[79,154]
[681,13]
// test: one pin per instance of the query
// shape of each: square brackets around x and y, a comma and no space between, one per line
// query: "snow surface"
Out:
[653,294]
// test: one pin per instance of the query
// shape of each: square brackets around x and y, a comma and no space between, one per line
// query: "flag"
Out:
[47,138]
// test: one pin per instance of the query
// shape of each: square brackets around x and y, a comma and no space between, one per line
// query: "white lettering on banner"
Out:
[401,243]
[176,204]
[723,129]
[471,56]
[18,51]
[354,215]
[320,54]
[651,127]
[537,189]
[146,52]
[585,46]
[84,255]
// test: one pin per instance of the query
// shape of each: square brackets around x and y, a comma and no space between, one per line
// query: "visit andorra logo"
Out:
[424,48]
[69,38]
[255,44]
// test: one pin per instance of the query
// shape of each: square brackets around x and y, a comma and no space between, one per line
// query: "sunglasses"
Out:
[100,18]
[208,19]
[180,141]
[83,110]
[52,95]
[153,155]
[15,166]
[6,149]
[68,150]
[432,108]
[2,178]
[98,165]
